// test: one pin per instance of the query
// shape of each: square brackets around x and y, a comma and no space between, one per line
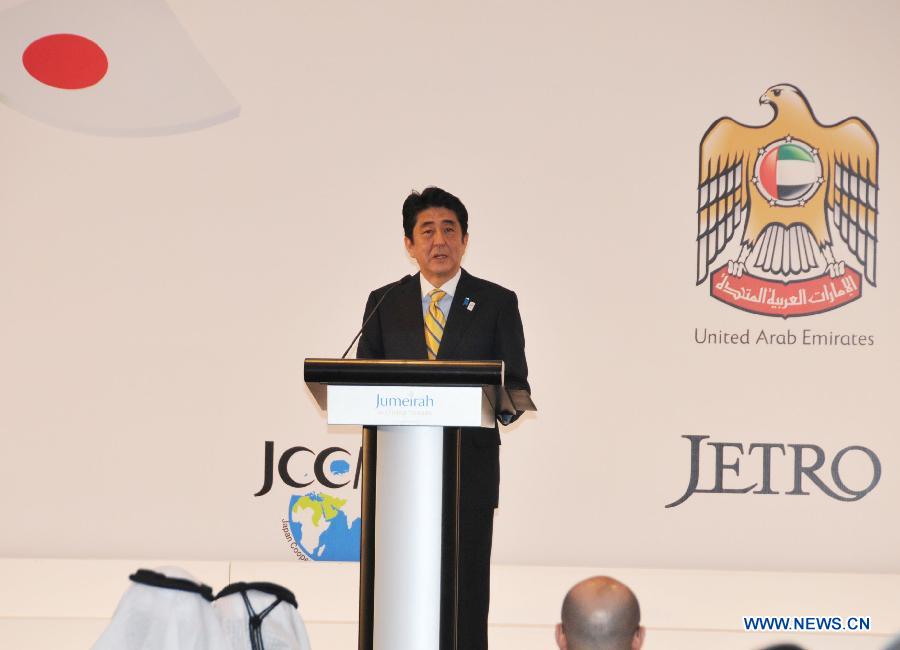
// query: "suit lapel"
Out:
[411,330]
[459,319]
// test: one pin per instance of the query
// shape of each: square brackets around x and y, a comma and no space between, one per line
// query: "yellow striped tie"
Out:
[434,324]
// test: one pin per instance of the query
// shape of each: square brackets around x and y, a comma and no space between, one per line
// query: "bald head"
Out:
[600,613]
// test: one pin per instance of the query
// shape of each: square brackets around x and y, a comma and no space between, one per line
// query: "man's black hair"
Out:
[432,197]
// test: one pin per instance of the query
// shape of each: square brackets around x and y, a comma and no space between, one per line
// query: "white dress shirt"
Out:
[449,287]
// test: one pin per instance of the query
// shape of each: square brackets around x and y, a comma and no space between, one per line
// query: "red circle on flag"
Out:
[65,61]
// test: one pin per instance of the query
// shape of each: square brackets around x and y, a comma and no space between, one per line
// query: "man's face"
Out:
[437,244]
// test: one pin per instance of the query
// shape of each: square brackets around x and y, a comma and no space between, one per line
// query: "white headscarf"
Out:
[164,609]
[261,616]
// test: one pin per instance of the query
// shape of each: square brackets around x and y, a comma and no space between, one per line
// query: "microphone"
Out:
[402,280]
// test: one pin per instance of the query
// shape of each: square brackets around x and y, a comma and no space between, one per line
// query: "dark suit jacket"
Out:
[492,330]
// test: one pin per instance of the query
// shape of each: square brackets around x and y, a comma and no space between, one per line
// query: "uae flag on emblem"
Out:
[788,171]
[107,67]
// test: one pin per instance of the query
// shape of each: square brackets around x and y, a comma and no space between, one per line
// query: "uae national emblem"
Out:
[789,186]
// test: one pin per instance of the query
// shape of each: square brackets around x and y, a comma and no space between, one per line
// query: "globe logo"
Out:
[325,526]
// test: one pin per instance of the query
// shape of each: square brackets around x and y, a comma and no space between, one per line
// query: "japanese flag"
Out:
[107,67]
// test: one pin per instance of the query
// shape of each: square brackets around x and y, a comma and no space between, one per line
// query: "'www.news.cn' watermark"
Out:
[807,624]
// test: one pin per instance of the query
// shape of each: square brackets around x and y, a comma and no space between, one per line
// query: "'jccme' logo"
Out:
[807,623]
[323,520]
[807,461]
[425,401]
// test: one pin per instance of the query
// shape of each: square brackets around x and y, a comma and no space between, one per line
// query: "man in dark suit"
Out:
[445,313]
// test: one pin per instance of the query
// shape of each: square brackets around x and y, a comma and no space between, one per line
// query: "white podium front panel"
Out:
[441,406]
[408,484]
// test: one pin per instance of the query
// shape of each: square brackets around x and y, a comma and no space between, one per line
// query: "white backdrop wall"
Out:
[158,295]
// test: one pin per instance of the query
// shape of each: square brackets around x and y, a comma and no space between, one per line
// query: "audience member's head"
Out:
[600,613]
[783,646]
[165,608]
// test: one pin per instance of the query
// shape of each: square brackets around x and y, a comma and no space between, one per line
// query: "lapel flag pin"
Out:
[107,67]
[470,304]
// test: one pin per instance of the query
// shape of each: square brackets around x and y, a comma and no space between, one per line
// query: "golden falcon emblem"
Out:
[792,183]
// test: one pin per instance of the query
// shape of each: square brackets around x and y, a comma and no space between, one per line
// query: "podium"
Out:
[411,413]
